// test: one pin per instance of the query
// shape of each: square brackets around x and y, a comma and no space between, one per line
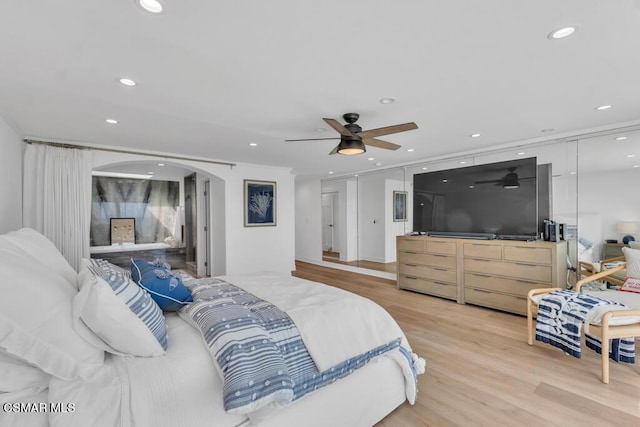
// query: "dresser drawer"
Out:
[426,272]
[483,250]
[510,303]
[441,247]
[411,245]
[441,289]
[533,255]
[518,287]
[427,259]
[535,273]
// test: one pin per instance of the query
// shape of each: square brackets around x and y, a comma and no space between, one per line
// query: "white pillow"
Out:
[35,319]
[632,257]
[121,314]
[634,245]
[43,251]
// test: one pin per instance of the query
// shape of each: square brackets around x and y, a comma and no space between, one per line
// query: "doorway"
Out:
[330,226]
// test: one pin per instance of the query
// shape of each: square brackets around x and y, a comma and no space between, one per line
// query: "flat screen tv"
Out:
[501,199]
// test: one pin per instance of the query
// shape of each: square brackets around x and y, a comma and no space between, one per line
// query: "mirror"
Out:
[358,212]
[608,208]
[361,217]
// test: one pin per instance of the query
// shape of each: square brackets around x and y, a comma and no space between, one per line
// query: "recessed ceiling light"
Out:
[150,173]
[445,180]
[621,138]
[410,150]
[474,135]
[603,107]
[463,162]
[389,100]
[127,82]
[629,156]
[160,164]
[572,173]
[520,153]
[561,33]
[330,172]
[547,130]
[253,144]
[153,6]
[355,175]
[370,158]
[111,121]
[471,186]
[425,168]
[378,164]
[636,166]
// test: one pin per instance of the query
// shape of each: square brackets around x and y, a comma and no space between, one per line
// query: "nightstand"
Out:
[611,250]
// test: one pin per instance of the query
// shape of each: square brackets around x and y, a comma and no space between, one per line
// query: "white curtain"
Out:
[57,197]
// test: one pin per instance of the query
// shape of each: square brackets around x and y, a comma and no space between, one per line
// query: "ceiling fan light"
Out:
[351,146]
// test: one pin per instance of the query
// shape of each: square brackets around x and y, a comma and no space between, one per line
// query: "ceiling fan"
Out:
[509,181]
[353,140]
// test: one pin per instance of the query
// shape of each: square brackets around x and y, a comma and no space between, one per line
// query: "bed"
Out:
[72,354]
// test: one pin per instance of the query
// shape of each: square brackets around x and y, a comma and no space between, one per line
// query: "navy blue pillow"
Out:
[166,289]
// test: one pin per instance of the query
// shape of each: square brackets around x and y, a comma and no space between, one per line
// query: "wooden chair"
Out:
[608,327]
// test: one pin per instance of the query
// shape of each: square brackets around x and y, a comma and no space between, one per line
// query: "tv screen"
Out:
[498,198]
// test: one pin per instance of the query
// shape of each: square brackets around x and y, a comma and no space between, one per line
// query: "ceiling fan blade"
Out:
[380,144]
[335,149]
[387,130]
[310,139]
[338,127]
[490,181]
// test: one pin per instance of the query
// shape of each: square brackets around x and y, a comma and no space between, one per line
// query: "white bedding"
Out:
[183,387]
[318,311]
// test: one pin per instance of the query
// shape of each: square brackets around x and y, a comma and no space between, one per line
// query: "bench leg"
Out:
[530,330]
[605,357]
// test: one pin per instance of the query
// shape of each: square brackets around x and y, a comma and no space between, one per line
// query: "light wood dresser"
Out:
[489,273]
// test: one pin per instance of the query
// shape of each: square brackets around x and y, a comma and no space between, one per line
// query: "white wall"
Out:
[308,229]
[246,249]
[11,178]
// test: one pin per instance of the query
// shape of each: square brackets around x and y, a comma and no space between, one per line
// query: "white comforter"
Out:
[184,388]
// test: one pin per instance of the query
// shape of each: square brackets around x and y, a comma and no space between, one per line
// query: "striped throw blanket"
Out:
[559,323]
[258,349]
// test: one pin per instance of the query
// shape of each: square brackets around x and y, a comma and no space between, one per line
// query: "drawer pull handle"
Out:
[411,265]
[525,265]
[481,260]
[525,247]
[411,277]
[528,282]
[441,283]
[440,269]
[522,298]
[482,290]
[480,275]
[411,252]
[440,256]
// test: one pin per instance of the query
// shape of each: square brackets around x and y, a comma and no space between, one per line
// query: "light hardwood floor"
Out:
[480,370]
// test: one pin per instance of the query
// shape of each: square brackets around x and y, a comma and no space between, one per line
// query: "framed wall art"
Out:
[399,206]
[259,203]
[123,231]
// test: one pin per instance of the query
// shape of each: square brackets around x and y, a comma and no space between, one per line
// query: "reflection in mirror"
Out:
[358,213]
[361,217]
[340,220]
[608,208]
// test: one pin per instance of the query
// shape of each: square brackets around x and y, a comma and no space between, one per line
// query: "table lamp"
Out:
[627,228]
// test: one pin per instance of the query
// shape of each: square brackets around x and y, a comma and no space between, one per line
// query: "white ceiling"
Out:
[216,76]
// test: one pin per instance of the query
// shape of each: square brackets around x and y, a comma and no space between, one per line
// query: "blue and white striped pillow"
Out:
[122,315]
